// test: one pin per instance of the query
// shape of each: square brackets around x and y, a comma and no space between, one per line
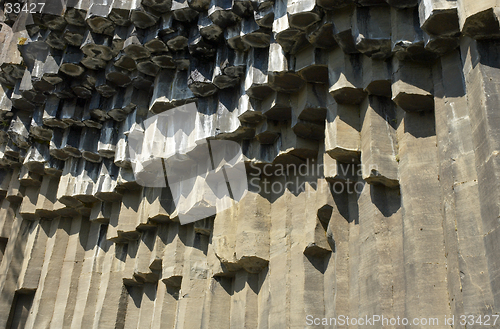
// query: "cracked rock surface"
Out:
[369,131]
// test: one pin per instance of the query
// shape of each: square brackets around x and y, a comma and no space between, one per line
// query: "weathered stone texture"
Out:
[391,106]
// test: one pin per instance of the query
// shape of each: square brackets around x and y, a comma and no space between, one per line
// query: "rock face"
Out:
[370,132]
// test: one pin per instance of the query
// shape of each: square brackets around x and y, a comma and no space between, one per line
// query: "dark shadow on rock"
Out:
[420,125]
[387,200]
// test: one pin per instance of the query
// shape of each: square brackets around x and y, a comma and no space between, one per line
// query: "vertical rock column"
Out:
[468,275]
[481,71]
[424,253]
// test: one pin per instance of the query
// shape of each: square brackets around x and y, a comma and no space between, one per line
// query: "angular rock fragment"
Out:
[342,132]
[378,142]
[97,17]
[438,18]
[344,75]
[372,31]
[412,86]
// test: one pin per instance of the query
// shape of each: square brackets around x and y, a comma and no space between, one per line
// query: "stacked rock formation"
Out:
[396,100]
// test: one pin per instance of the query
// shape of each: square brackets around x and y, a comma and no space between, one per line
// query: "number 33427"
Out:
[484,320]
[17,8]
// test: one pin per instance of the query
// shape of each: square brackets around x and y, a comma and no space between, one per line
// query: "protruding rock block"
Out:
[200,78]
[303,14]
[129,215]
[142,272]
[182,11]
[343,31]
[133,46]
[28,206]
[70,62]
[66,188]
[71,112]
[256,78]
[371,41]
[153,42]
[97,18]
[229,66]
[36,157]
[54,167]
[198,46]
[342,132]
[379,151]
[251,251]
[50,116]
[162,92]
[118,75]
[161,6]
[232,34]
[321,34]
[88,144]
[309,111]
[55,147]
[221,13]
[173,256]
[28,92]
[345,77]
[264,15]
[312,64]
[13,193]
[18,100]
[147,67]
[479,19]
[5,177]
[377,77]
[337,172]
[440,45]
[315,240]
[439,18]
[107,182]
[294,149]
[253,35]
[85,181]
[178,39]
[76,12]
[101,212]
[29,178]
[19,129]
[104,87]
[47,197]
[282,75]
[107,142]
[120,12]
[162,205]
[71,141]
[412,86]
[141,81]
[291,38]
[248,110]
[267,131]
[277,106]
[407,37]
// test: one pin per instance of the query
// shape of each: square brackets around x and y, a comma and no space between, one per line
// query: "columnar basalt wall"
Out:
[389,108]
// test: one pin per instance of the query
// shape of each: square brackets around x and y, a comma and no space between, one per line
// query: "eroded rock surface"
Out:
[369,132]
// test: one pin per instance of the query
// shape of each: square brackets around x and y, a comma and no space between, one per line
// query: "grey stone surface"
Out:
[369,131]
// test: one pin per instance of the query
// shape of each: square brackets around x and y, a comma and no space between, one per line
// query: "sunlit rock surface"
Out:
[367,134]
